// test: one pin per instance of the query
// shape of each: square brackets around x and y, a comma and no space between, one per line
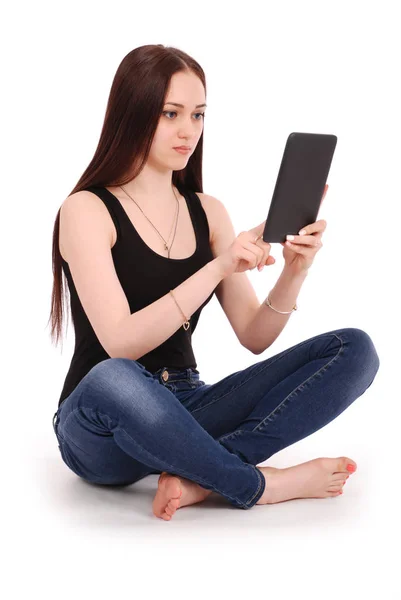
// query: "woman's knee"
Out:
[362,349]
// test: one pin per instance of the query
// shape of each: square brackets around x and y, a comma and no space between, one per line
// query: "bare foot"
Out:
[318,478]
[175,492]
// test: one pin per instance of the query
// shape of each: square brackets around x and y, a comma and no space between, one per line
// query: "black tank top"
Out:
[145,276]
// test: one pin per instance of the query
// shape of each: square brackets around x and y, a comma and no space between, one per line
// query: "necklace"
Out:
[176,220]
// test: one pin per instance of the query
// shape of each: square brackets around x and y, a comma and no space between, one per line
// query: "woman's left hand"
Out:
[300,252]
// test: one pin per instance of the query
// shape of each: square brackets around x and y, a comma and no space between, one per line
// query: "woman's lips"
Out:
[183,150]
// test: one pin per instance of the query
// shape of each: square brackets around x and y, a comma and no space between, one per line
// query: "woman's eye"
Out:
[173,112]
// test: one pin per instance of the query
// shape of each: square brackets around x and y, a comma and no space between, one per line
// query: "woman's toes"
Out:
[339,478]
[172,506]
[337,481]
[174,503]
[330,493]
[345,466]
[349,465]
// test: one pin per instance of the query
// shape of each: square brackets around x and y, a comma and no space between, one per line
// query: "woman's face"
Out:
[179,125]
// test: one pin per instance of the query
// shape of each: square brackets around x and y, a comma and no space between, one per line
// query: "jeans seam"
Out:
[259,474]
[187,475]
[322,369]
[64,438]
[67,438]
[264,366]
[262,423]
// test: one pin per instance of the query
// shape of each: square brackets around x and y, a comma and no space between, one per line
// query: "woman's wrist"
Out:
[300,273]
[284,294]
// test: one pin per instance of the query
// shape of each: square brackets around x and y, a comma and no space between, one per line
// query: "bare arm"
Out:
[267,324]
[146,329]
[87,240]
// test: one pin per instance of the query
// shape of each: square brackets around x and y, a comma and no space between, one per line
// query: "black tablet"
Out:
[300,184]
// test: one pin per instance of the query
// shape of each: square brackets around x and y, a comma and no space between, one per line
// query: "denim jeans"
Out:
[122,422]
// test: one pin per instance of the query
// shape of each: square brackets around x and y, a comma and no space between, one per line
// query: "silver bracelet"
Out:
[268,303]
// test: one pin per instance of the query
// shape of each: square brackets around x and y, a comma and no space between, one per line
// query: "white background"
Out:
[271,68]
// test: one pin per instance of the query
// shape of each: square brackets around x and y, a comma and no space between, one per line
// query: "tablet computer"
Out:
[300,184]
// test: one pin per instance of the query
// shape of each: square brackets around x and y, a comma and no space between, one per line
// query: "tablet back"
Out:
[300,184]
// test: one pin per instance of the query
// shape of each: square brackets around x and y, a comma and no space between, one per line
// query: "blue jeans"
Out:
[122,422]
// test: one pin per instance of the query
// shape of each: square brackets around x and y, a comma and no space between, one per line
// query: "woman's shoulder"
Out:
[211,205]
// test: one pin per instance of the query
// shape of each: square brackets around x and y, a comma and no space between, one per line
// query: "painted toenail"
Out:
[350,468]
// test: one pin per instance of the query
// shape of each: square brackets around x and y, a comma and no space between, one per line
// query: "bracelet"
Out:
[268,303]
[186,320]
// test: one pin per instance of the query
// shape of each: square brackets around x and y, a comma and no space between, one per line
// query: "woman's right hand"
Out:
[244,253]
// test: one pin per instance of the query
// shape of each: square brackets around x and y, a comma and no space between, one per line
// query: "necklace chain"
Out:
[176,220]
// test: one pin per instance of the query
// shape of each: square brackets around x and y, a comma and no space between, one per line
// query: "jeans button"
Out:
[165,375]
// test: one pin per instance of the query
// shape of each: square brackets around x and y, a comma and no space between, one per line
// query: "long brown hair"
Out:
[136,100]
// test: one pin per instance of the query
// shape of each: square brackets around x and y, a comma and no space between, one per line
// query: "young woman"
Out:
[143,250]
